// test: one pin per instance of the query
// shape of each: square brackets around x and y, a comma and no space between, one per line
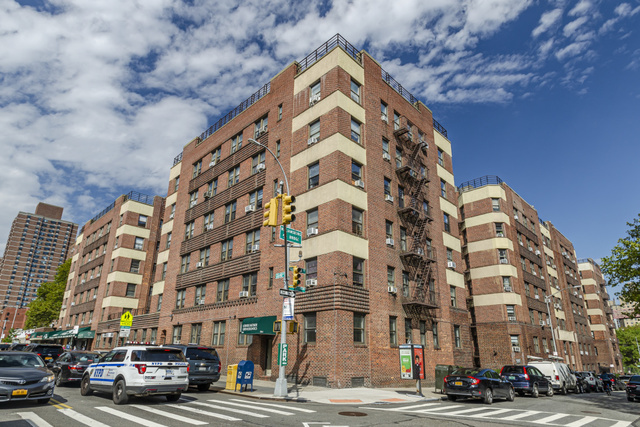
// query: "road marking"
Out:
[61,404]
[407,408]
[235,410]
[31,416]
[582,421]
[277,406]
[491,413]
[622,424]
[438,409]
[128,417]
[201,412]
[82,418]
[520,415]
[170,415]
[243,405]
[550,418]
[464,411]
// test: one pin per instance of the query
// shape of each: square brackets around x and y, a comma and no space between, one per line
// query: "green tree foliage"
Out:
[46,307]
[9,336]
[623,266]
[628,347]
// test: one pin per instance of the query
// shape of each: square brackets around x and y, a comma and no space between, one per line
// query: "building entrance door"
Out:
[266,353]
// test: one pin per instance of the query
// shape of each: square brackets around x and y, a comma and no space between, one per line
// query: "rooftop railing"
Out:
[479,182]
[103,212]
[326,47]
[177,159]
[437,126]
[139,197]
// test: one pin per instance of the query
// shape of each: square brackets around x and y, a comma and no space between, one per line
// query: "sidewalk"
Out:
[307,393]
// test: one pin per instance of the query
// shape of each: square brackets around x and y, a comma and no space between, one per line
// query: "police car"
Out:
[138,371]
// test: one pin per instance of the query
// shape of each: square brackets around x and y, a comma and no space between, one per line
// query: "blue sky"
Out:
[96,98]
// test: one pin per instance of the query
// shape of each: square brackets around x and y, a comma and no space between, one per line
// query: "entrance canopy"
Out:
[258,325]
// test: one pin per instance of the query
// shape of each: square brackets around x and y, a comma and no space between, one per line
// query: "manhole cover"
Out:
[592,412]
[352,414]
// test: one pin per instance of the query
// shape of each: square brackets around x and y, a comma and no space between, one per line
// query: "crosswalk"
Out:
[184,412]
[506,415]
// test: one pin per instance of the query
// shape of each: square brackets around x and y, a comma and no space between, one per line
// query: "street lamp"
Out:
[280,389]
[547,299]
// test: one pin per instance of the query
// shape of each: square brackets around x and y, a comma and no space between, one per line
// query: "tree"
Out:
[46,307]
[9,336]
[623,266]
[629,347]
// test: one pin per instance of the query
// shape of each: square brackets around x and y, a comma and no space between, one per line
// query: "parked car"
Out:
[527,379]
[138,370]
[558,374]
[483,384]
[593,382]
[204,364]
[624,379]
[633,388]
[70,366]
[25,377]
[17,346]
[4,346]
[48,352]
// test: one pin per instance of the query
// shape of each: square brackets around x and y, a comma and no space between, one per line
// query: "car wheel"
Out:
[43,401]
[511,396]
[630,399]
[59,379]
[452,398]
[120,393]
[488,396]
[534,391]
[521,393]
[563,389]
[85,386]
[174,397]
[549,390]
[203,387]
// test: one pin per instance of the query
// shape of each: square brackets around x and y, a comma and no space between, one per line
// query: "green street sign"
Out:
[280,275]
[301,270]
[283,354]
[293,236]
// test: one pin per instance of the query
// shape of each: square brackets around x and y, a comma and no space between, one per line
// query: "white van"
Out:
[558,373]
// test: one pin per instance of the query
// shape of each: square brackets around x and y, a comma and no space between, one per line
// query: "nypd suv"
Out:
[138,370]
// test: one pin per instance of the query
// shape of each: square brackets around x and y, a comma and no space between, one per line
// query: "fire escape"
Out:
[420,297]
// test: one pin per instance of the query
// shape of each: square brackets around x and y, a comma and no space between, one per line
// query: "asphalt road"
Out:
[70,409]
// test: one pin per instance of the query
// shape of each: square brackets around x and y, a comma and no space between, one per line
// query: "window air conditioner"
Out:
[543,323]
[504,261]
[388,198]
[262,130]
[451,264]
[508,288]
[200,301]
[260,167]
[392,289]
[212,163]
[575,293]
[516,349]
[558,307]
[249,208]
[244,294]
[209,227]
[95,296]
[530,249]
[511,318]
[389,241]
[208,194]
[383,117]
[515,216]
[192,204]
[359,183]
[386,157]
[548,262]
[312,141]
[311,282]
[314,98]
[537,252]
[536,296]
[72,304]
[546,350]
[82,282]
[200,265]
[171,216]
[63,306]
[312,231]
[255,248]
[68,324]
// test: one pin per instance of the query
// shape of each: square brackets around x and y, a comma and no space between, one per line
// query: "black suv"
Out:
[48,352]
[204,364]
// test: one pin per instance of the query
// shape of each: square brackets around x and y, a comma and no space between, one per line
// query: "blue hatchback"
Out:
[527,380]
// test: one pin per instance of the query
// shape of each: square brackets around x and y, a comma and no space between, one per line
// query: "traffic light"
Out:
[277,326]
[271,213]
[287,209]
[295,282]
[292,327]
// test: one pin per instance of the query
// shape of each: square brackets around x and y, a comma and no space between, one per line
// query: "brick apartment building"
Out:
[372,174]
[113,262]
[37,244]
[600,316]
[622,314]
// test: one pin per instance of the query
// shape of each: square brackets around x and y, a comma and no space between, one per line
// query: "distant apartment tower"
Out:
[506,274]
[38,243]
[372,174]
[622,314]
[113,262]
[600,316]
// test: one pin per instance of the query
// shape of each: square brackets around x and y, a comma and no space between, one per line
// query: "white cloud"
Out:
[547,20]
[572,27]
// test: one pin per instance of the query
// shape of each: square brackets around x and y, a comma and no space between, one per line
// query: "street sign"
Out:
[283,354]
[301,270]
[280,275]
[124,332]
[287,293]
[126,319]
[287,309]
[293,236]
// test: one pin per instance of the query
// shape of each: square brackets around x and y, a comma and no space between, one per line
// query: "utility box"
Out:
[411,362]
[231,377]
[244,376]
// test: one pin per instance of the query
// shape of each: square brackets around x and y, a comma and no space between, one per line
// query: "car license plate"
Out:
[169,373]
[203,368]
[48,358]
[457,383]
[19,392]
[512,377]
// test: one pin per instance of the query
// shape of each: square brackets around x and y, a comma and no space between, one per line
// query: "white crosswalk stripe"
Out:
[170,415]
[250,406]
[581,422]
[130,418]
[82,418]
[205,413]
[234,410]
[291,408]
[35,419]
[550,418]
[520,415]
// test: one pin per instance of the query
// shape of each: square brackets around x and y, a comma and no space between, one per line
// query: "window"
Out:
[244,339]
[384,111]
[236,143]
[197,167]
[168,245]
[204,256]
[515,341]
[164,271]
[223,290]
[436,341]
[314,175]
[193,199]
[270,284]
[226,252]
[449,254]
[387,186]
[310,327]
[511,313]
[184,266]
[388,227]
[177,334]
[180,298]
[456,335]
[355,91]
[502,255]
[355,131]
[176,183]
[314,131]
[142,220]
[545,347]
[311,266]
[189,229]
[447,225]
[261,126]
[234,176]
[135,266]
[250,283]
[398,158]
[312,218]
[403,239]
[278,148]
[256,160]
[452,293]
[506,282]
[532,317]
[280,112]
[391,276]
[139,242]
[173,211]
[400,196]
[393,331]
[208,221]
[358,272]
[215,155]
[315,90]
[523,263]
[230,212]
[423,333]
[253,239]
[196,330]
[443,188]
[358,328]
[440,157]
[218,333]
[495,204]
[396,121]
[499,229]
[385,149]
[356,172]
[255,199]
[405,283]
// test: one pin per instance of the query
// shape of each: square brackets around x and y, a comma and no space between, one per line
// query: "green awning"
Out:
[69,333]
[37,335]
[86,333]
[51,335]
[258,325]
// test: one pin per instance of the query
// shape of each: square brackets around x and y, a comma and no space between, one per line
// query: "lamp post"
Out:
[547,299]
[281,389]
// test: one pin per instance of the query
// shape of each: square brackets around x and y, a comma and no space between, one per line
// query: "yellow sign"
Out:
[126,319]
